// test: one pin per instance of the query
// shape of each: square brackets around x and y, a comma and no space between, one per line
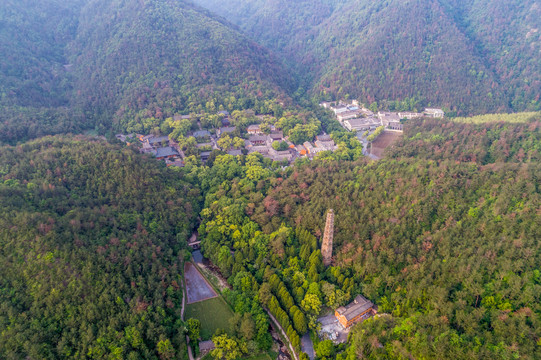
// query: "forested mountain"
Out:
[33,37]
[472,57]
[507,35]
[93,63]
[142,61]
[442,234]
[480,143]
[34,90]
[90,252]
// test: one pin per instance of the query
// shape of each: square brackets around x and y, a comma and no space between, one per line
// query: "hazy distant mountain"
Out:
[33,36]
[475,57]
[93,63]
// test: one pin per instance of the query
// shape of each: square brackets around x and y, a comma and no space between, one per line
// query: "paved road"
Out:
[190,355]
[367,148]
[197,256]
[365,143]
[308,346]
[183,302]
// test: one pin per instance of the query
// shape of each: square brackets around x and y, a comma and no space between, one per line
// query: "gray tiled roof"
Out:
[257,138]
[324,137]
[201,133]
[166,151]
[158,139]
[357,307]
[234,152]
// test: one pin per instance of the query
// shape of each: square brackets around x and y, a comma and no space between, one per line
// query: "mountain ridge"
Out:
[486,66]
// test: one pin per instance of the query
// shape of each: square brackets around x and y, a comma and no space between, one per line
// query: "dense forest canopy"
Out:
[481,143]
[471,57]
[33,38]
[442,233]
[446,243]
[91,239]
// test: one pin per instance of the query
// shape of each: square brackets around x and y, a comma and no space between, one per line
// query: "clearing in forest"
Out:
[383,141]
[197,287]
[521,117]
[213,313]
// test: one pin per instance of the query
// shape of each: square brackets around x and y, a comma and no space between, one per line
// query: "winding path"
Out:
[190,355]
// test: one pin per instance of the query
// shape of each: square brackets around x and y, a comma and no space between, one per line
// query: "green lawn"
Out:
[213,313]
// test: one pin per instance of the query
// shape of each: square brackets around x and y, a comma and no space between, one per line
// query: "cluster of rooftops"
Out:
[256,140]
[262,143]
[351,115]
[354,117]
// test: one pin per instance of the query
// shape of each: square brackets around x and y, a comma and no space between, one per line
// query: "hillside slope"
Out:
[93,63]
[35,33]
[508,34]
[402,50]
[34,86]
[470,57]
[442,234]
[140,61]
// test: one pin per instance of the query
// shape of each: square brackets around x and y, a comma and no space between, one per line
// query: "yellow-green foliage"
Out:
[521,117]
[376,133]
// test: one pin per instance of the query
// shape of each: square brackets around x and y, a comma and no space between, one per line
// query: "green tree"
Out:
[265,293]
[280,145]
[234,323]
[325,348]
[194,328]
[165,349]
[247,326]
[311,303]
[225,142]
[299,320]
[238,142]
[227,348]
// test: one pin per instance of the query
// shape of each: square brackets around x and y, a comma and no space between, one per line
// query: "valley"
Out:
[248,179]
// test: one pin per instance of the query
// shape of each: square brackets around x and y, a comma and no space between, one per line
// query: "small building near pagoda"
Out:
[358,310]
